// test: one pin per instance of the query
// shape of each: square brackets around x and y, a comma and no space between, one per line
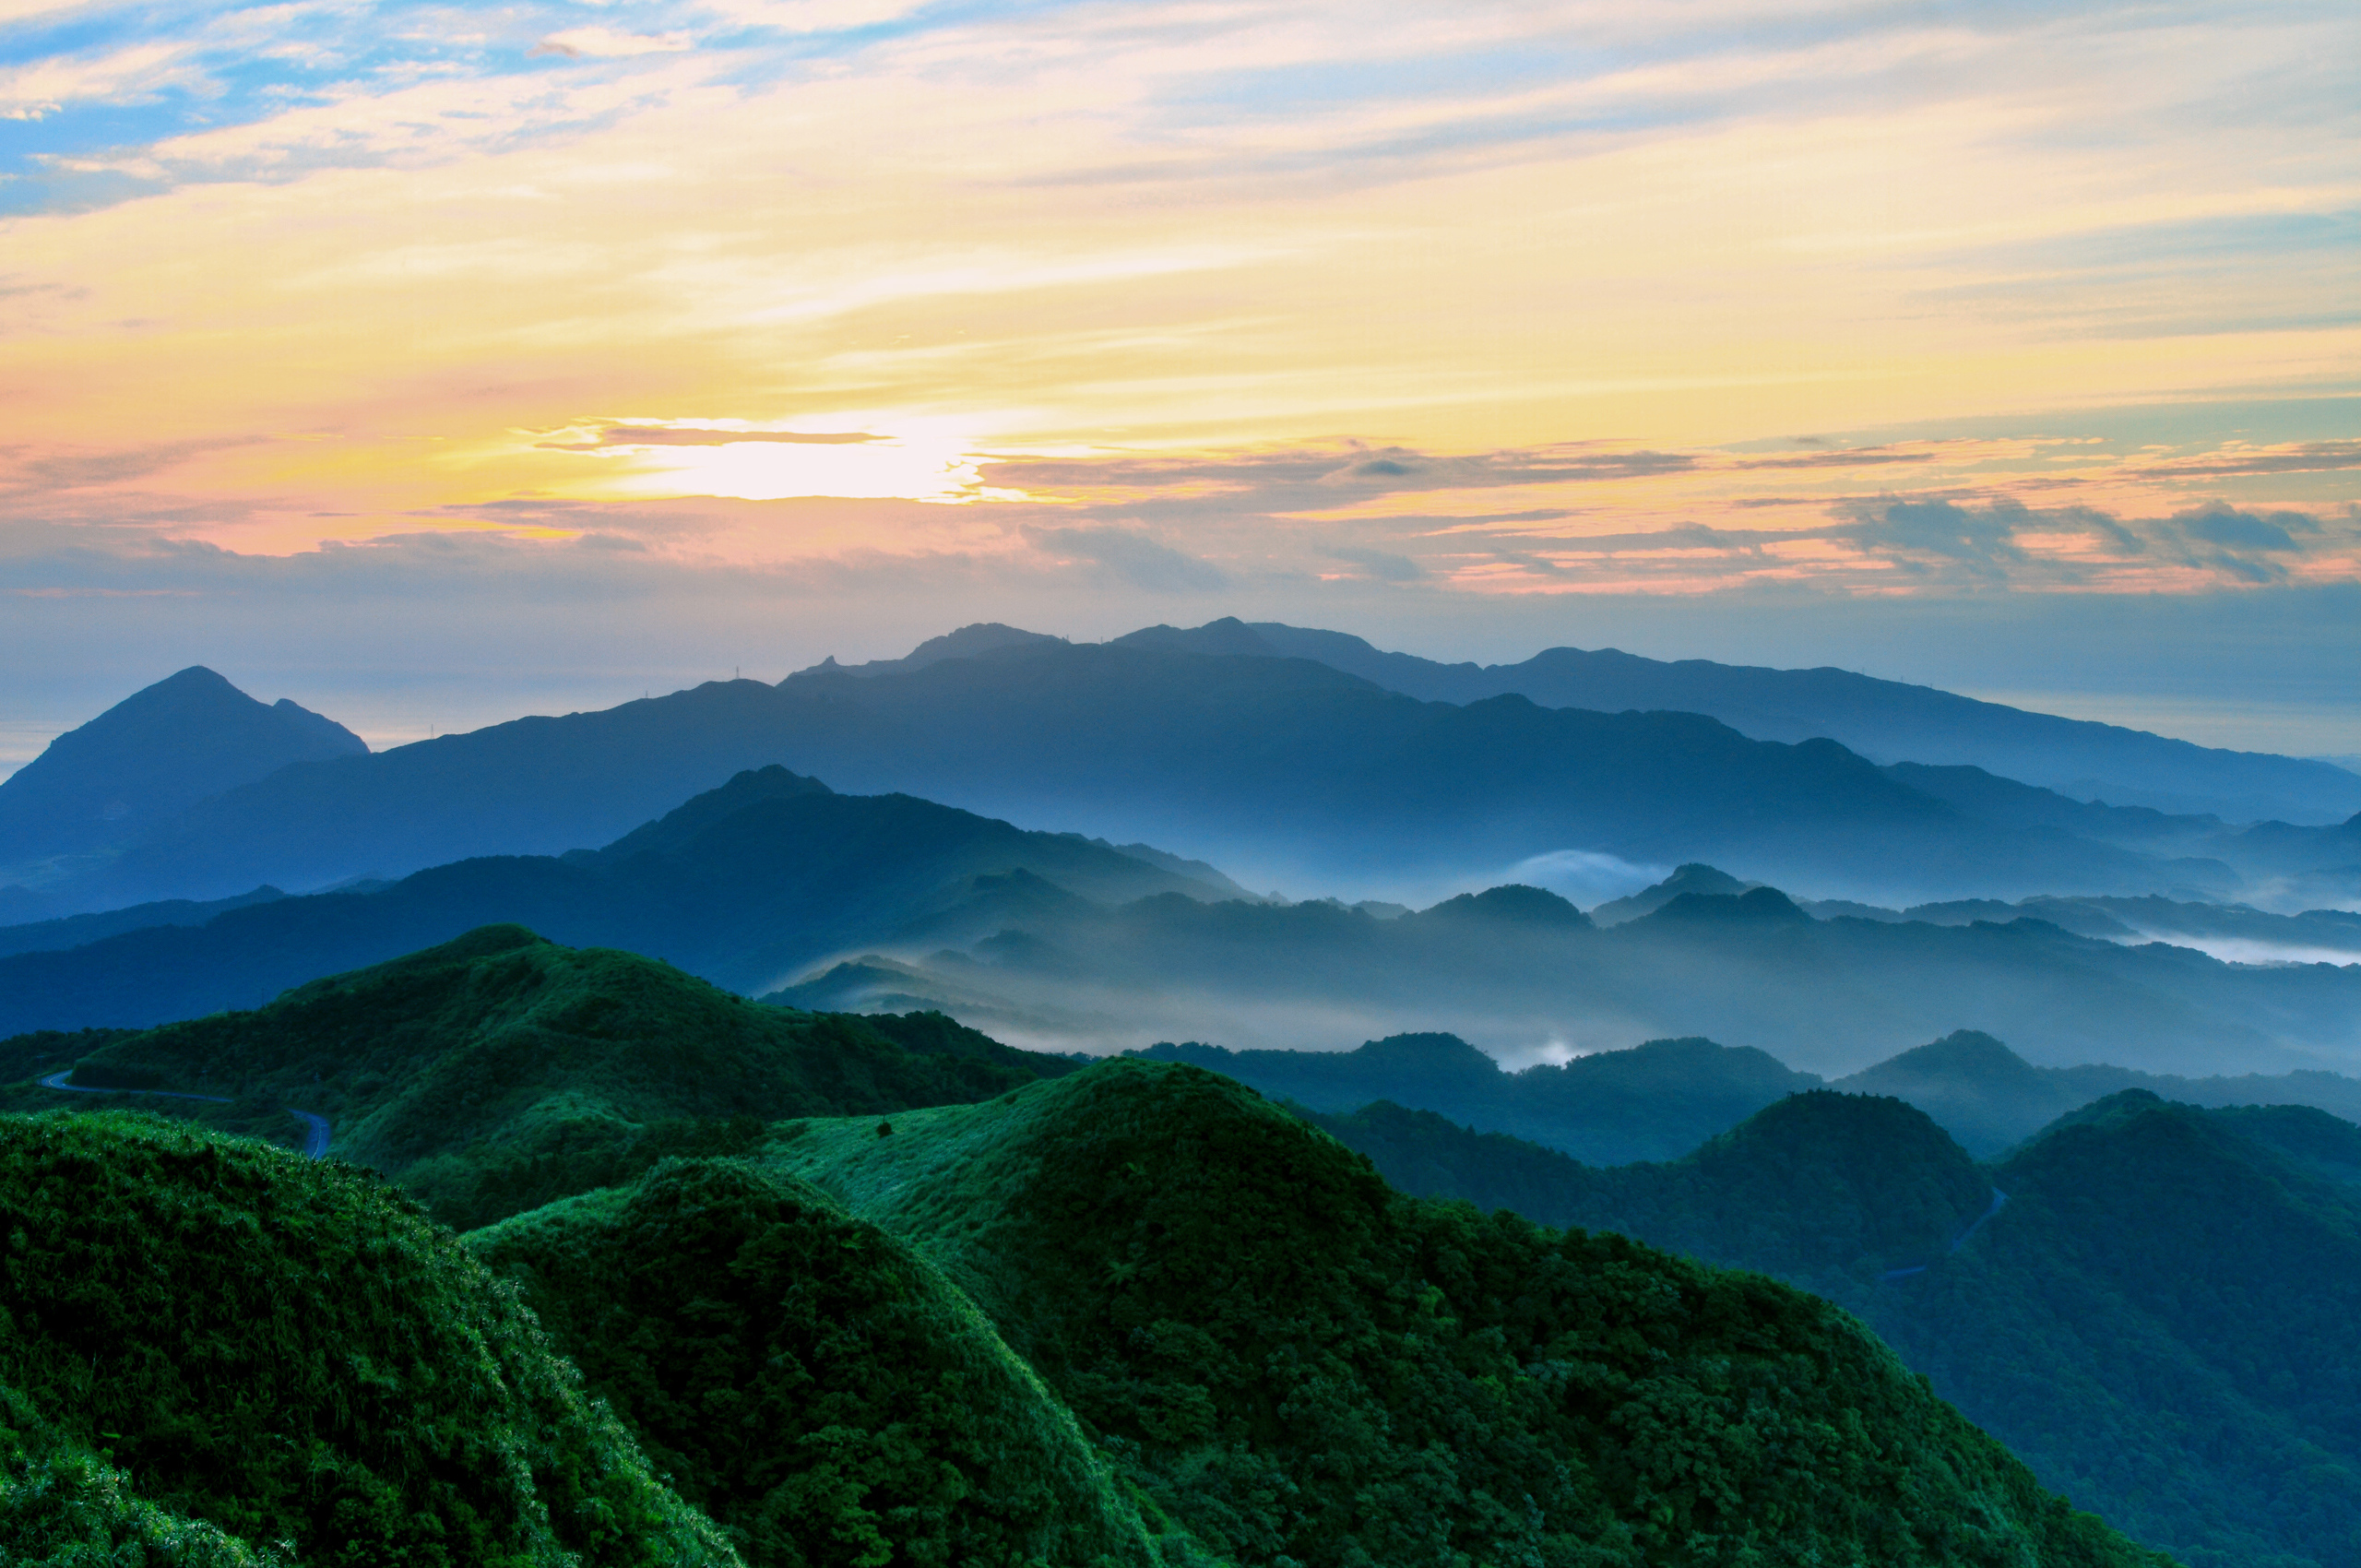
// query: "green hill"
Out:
[825,1394]
[498,1072]
[1828,1191]
[1305,1367]
[2156,1319]
[217,1353]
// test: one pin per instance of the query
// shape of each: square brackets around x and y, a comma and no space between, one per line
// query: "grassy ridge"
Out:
[499,1072]
[1304,1366]
[825,1394]
[288,1352]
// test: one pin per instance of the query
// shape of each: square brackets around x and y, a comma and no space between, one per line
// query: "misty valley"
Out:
[1223,1095]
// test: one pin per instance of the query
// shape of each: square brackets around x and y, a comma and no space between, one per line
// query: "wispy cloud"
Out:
[1131,556]
[1559,297]
[606,43]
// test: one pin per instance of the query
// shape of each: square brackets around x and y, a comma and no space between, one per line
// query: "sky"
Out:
[433,364]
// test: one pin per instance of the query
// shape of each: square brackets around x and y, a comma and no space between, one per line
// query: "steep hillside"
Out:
[2155,1316]
[743,884]
[821,1392]
[1830,1190]
[500,1071]
[214,1348]
[1300,1364]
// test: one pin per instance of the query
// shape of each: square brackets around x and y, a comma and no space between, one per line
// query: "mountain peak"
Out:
[750,787]
[155,754]
[1424,1051]
[1228,636]
[1962,1056]
[1695,876]
[1755,906]
[1511,904]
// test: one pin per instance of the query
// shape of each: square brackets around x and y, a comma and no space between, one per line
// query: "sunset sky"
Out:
[432,364]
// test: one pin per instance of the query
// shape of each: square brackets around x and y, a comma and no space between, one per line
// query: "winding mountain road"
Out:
[2000,1199]
[316,1133]
[57,1081]
[315,1127]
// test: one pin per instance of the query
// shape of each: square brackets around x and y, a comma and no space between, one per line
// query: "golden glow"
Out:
[1012,243]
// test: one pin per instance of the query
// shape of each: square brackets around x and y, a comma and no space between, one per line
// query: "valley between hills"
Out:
[873,1120]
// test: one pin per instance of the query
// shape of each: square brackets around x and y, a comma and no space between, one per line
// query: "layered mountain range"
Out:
[775,885]
[1284,767]
[1518,976]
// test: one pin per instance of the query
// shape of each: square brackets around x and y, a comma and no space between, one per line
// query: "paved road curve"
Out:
[316,1133]
[1999,1198]
[315,1127]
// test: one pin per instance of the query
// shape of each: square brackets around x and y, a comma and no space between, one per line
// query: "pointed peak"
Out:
[1961,1055]
[1695,876]
[1755,906]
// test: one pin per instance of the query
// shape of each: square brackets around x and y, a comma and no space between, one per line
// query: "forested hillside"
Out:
[219,1353]
[2149,1302]
[1302,1365]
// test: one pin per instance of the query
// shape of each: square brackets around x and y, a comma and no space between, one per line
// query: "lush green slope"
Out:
[497,1072]
[62,1506]
[1304,1366]
[825,1394]
[2161,1321]
[2158,1319]
[287,1351]
[1830,1190]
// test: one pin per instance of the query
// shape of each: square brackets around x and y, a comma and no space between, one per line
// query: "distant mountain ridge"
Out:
[1653,1102]
[1285,767]
[1887,722]
[1659,1101]
[1292,763]
[1831,995]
